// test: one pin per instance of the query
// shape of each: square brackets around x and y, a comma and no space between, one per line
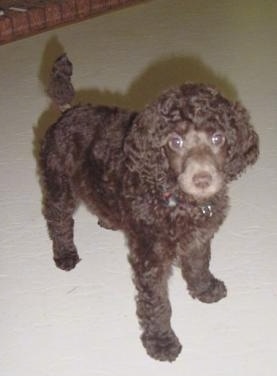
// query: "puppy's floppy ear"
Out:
[244,142]
[143,147]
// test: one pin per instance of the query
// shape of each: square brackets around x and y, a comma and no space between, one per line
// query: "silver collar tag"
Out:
[207,210]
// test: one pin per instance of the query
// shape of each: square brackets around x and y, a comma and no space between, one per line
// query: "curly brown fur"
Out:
[161,177]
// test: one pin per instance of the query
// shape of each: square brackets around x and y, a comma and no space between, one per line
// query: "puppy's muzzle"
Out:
[201,177]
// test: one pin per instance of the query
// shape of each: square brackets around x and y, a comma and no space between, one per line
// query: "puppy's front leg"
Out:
[151,274]
[195,260]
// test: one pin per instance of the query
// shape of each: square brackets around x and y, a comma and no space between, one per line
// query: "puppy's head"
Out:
[193,136]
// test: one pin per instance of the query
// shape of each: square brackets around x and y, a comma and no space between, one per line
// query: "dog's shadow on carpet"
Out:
[160,75]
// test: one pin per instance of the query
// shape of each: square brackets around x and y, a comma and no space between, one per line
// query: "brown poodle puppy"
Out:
[160,176]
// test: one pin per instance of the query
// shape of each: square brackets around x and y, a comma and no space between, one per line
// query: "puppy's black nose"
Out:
[202,180]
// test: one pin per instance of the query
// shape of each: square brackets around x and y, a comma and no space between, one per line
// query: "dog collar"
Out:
[171,200]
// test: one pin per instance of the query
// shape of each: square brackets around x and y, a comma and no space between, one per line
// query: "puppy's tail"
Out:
[60,89]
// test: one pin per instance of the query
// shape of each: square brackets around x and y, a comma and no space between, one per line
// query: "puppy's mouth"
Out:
[199,179]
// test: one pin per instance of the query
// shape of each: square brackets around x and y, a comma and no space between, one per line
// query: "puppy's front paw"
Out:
[162,346]
[214,293]
[67,261]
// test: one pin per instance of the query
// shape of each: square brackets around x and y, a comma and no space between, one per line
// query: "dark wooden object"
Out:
[22,18]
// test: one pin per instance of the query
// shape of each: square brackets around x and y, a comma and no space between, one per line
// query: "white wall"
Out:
[83,323]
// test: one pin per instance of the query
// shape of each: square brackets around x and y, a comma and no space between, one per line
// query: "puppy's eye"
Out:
[218,139]
[176,142]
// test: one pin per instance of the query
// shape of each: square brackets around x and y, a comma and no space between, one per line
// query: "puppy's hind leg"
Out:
[59,206]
